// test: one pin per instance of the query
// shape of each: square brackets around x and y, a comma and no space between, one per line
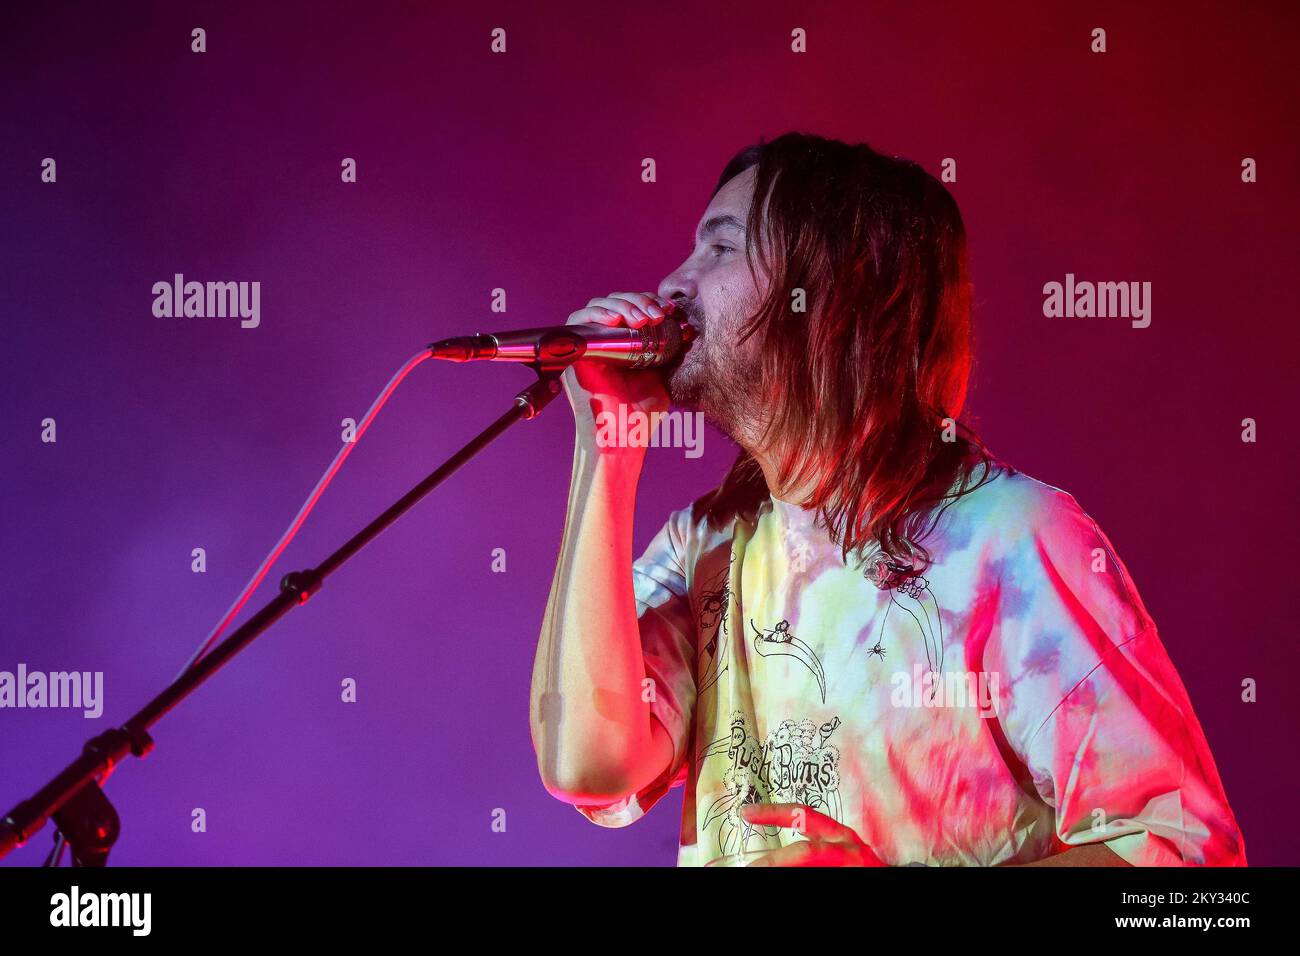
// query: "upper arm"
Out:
[1095,707]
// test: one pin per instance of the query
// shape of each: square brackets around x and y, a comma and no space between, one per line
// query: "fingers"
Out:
[829,843]
[633,309]
[648,303]
[595,315]
[805,820]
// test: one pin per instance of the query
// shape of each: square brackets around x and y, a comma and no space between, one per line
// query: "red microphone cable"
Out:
[306,508]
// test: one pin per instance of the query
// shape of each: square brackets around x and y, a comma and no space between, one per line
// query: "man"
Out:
[872,644]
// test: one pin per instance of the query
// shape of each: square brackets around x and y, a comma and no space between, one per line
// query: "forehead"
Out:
[733,198]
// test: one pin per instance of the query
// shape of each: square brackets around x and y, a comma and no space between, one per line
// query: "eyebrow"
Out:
[724,221]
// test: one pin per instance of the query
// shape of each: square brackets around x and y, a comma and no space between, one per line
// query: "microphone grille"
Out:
[660,343]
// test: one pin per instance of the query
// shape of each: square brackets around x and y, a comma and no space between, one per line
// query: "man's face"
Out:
[715,287]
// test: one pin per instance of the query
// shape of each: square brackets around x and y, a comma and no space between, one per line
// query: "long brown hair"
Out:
[872,374]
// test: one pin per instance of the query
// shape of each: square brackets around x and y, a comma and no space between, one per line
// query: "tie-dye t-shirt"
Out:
[1011,702]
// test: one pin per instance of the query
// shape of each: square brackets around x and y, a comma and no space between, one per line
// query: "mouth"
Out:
[690,331]
[684,316]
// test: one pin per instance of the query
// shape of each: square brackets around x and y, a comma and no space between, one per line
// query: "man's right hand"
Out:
[595,387]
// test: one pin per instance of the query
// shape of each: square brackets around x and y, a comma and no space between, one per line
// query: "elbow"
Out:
[593,783]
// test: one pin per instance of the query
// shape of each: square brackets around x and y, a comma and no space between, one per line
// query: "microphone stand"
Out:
[84,817]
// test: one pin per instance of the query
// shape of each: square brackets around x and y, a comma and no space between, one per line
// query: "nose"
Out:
[678,287]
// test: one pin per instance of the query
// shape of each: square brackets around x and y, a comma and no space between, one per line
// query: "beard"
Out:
[717,377]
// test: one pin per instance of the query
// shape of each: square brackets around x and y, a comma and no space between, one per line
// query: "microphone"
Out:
[556,346]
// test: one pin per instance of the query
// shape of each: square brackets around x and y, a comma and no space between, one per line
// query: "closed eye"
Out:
[717,249]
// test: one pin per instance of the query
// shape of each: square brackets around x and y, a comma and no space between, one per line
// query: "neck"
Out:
[769,460]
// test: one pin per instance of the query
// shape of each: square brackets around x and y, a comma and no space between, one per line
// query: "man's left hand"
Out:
[829,842]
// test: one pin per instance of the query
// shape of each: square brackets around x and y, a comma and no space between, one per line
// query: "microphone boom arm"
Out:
[73,799]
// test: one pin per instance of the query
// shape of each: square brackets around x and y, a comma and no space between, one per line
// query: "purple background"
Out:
[523,171]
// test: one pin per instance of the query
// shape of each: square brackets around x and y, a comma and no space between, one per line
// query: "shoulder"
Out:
[684,534]
[1013,507]
[1046,550]
[697,523]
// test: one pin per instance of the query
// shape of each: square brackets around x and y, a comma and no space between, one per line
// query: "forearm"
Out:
[589,724]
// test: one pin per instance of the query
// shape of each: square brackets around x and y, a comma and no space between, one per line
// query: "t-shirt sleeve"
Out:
[659,579]
[1091,702]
